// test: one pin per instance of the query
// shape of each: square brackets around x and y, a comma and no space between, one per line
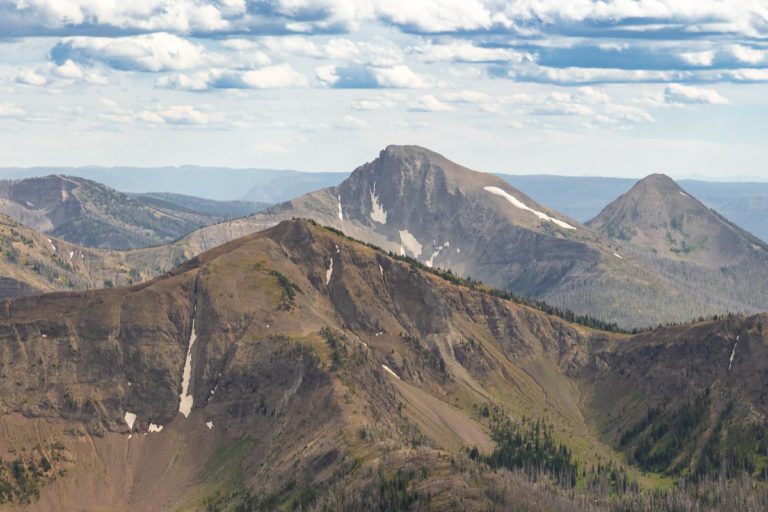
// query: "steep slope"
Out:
[659,215]
[90,214]
[685,400]
[295,368]
[263,367]
[413,201]
[31,263]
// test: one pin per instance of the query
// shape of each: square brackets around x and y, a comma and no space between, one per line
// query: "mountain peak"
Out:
[659,182]
[657,214]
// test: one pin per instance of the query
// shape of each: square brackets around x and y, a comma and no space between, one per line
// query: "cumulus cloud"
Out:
[177,115]
[150,52]
[31,77]
[463,51]
[429,103]
[379,102]
[683,94]
[372,77]
[11,110]
[280,76]
[377,52]
[352,123]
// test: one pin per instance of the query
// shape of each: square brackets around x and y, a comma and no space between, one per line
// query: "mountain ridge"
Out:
[309,351]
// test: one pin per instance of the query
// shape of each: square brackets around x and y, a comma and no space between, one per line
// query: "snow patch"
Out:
[155,428]
[338,251]
[341,214]
[52,246]
[71,255]
[683,194]
[130,419]
[458,250]
[381,270]
[388,369]
[618,255]
[431,261]
[733,353]
[519,204]
[209,424]
[185,399]
[378,214]
[408,241]
[329,273]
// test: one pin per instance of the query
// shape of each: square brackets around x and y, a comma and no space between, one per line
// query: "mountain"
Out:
[297,369]
[216,183]
[221,210]
[32,263]
[415,202]
[583,198]
[659,215]
[90,214]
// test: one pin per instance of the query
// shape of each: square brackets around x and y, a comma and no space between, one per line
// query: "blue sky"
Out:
[616,87]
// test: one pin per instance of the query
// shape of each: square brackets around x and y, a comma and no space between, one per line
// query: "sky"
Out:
[574,87]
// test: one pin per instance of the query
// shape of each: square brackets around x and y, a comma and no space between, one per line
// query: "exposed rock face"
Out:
[415,202]
[658,214]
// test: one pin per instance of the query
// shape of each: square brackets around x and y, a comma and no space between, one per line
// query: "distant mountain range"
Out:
[88,213]
[414,202]
[296,369]
[217,183]
[582,198]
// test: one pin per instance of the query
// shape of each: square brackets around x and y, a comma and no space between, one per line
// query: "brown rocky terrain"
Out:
[284,366]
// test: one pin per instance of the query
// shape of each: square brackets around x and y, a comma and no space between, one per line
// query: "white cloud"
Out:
[437,15]
[467,96]
[69,70]
[623,114]
[379,102]
[703,58]
[401,77]
[149,52]
[683,94]
[11,110]
[429,103]
[463,51]
[748,55]
[31,77]
[563,109]
[177,114]
[377,52]
[281,76]
[372,77]
[352,123]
